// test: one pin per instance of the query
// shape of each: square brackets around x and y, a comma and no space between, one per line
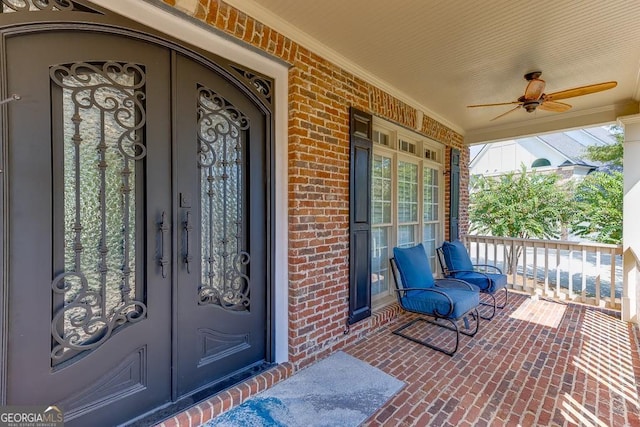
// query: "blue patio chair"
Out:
[446,300]
[455,263]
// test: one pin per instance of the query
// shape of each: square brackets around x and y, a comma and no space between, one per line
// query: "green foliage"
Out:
[611,154]
[599,215]
[519,204]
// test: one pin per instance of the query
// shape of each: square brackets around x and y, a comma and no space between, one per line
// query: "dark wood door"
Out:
[89,145]
[136,227]
[221,289]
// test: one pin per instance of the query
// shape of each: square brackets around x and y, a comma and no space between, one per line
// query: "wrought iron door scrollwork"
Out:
[35,5]
[112,88]
[90,326]
[222,133]
[234,294]
[101,146]
[262,85]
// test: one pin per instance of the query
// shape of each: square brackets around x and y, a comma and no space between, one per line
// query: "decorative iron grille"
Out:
[103,114]
[9,6]
[262,85]
[222,131]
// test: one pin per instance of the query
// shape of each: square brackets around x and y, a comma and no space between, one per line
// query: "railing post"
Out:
[630,224]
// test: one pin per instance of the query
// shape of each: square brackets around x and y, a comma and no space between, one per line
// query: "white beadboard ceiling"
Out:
[442,55]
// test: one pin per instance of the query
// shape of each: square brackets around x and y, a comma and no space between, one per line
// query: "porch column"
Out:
[630,223]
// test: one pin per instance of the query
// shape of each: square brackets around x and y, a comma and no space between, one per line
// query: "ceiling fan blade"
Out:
[557,107]
[534,89]
[579,91]
[504,114]
[493,105]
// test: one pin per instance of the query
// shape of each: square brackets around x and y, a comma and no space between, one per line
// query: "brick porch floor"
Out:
[536,363]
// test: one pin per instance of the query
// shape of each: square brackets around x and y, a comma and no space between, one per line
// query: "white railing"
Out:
[589,273]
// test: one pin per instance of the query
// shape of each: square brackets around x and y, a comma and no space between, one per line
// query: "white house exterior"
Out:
[562,152]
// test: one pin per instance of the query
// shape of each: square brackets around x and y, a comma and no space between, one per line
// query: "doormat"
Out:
[337,391]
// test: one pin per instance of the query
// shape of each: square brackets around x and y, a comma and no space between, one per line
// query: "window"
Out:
[407,203]
[406,198]
[380,224]
[540,163]
[430,213]
[380,137]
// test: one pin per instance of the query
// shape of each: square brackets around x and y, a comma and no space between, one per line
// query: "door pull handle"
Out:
[14,97]
[188,258]
[163,227]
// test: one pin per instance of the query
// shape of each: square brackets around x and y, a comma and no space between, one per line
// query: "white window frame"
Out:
[392,151]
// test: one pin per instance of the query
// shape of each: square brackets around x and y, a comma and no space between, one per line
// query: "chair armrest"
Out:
[470,271]
[413,289]
[488,266]
[431,290]
[451,283]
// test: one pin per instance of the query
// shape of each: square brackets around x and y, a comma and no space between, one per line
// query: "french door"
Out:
[135,225]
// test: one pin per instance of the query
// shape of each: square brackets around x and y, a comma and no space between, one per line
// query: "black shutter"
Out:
[454,209]
[360,216]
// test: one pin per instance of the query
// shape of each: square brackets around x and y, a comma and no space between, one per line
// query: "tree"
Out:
[599,196]
[599,201]
[609,154]
[521,205]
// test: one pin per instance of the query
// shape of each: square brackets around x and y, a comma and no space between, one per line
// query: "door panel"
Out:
[221,307]
[89,310]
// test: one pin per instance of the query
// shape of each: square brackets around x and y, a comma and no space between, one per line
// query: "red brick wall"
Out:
[320,94]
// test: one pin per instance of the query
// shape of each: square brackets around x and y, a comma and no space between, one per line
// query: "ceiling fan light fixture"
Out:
[531,106]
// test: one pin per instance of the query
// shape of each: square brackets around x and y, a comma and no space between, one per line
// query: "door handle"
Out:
[163,227]
[187,229]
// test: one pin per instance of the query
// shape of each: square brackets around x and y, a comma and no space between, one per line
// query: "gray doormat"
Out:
[337,391]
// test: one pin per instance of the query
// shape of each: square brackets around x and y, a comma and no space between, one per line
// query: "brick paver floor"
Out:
[537,363]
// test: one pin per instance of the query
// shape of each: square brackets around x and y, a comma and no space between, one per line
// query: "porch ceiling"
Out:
[441,55]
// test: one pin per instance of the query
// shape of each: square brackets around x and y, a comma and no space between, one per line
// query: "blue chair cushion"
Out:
[413,266]
[431,303]
[495,282]
[456,256]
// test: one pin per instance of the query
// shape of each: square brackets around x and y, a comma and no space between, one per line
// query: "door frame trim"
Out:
[210,49]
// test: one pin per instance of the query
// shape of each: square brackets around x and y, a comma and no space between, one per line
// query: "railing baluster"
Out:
[486,253]
[514,265]
[524,266]
[583,283]
[558,276]
[535,268]
[598,277]
[546,269]
[570,291]
[612,287]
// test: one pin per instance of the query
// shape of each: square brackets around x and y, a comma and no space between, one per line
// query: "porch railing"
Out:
[589,273]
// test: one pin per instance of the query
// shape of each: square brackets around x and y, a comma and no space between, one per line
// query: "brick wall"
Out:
[320,94]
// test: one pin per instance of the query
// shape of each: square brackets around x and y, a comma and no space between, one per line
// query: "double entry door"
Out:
[136,226]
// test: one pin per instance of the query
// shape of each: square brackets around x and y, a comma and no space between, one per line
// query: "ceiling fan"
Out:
[534,96]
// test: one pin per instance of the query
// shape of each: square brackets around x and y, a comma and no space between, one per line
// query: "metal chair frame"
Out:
[442,283]
[450,274]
